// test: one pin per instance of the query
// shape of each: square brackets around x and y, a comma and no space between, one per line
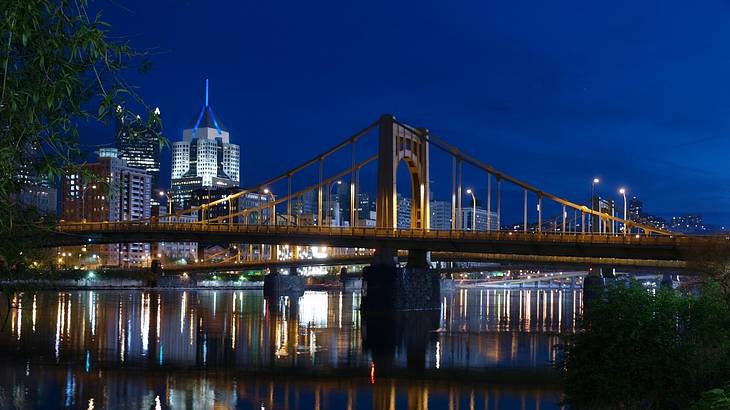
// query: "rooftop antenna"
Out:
[206,92]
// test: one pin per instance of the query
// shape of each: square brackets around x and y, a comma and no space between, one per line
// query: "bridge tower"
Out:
[398,143]
[415,286]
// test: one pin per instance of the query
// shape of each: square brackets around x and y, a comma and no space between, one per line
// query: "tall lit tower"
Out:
[204,158]
[139,145]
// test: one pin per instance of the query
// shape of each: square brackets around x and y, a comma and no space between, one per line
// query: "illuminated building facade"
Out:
[137,145]
[115,192]
[440,215]
[468,218]
[35,190]
[248,201]
[204,158]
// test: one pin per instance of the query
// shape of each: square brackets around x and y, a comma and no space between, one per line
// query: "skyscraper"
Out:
[114,193]
[204,158]
[34,190]
[138,145]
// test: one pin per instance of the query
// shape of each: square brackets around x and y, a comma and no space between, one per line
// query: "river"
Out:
[196,349]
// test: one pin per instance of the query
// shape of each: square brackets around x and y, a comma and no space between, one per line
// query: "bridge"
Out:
[648,251]
[221,221]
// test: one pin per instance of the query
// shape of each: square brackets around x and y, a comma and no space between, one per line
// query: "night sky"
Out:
[554,93]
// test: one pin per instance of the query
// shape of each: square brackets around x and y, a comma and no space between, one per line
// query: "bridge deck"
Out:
[671,247]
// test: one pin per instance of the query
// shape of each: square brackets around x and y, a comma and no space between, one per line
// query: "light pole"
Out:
[83,201]
[329,199]
[268,192]
[622,191]
[169,201]
[473,209]
[594,182]
[274,249]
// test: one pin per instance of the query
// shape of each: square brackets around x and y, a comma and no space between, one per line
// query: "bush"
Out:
[645,349]
[715,399]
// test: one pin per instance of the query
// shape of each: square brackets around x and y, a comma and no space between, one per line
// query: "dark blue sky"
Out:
[554,93]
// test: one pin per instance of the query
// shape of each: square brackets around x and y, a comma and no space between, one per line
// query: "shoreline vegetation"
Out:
[649,349]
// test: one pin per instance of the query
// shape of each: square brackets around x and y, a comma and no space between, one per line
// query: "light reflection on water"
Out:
[236,349]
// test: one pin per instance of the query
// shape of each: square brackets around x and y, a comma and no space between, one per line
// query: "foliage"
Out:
[715,399]
[642,349]
[59,67]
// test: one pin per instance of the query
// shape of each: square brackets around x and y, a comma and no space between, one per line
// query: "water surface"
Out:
[236,349]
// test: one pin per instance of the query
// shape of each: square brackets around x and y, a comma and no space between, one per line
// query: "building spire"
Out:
[206,92]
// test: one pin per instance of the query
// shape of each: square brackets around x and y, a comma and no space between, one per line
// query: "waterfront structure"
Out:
[138,143]
[205,158]
[113,192]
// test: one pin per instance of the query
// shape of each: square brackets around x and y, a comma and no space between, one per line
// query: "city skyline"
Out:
[588,106]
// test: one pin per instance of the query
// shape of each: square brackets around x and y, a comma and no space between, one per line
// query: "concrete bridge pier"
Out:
[350,281]
[593,284]
[277,284]
[389,333]
[668,280]
[387,286]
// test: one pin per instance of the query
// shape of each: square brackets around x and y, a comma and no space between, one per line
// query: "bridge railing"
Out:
[385,233]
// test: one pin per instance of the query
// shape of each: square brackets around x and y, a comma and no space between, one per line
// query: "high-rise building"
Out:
[114,192]
[440,215]
[690,223]
[636,214]
[404,212]
[204,158]
[305,209]
[138,144]
[482,222]
[604,206]
[247,201]
[365,205]
[34,190]
[636,209]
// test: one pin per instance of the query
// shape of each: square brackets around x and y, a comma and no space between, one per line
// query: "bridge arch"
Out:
[398,143]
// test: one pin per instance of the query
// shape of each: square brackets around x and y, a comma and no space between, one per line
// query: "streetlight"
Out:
[473,209]
[594,182]
[83,200]
[622,191]
[267,191]
[274,249]
[169,201]
[329,198]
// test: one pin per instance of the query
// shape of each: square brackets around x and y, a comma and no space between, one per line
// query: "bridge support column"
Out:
[387,334]
[388,287]
[201,253]
[276,284]
[667,281]
[419,259]
[593,284]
